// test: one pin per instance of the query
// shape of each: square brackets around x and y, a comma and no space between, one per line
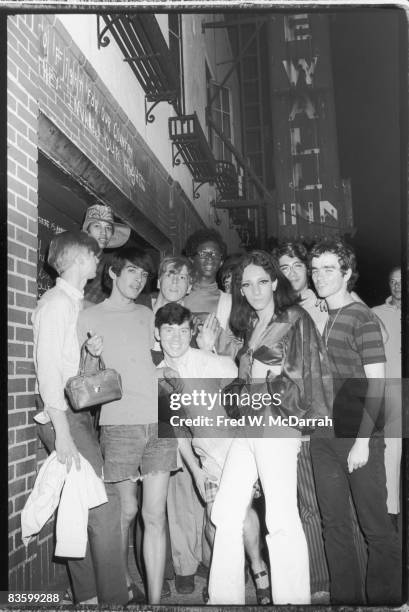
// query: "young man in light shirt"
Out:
[99,577]
[185,529]
[174,329]
[352,462]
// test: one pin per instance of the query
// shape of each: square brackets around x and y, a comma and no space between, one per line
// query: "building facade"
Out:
[86,124]
[177,121]
[312,199]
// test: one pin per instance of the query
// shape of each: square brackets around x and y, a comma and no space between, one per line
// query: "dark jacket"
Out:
[292,341]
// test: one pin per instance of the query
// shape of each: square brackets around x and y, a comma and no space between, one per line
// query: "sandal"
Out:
[262,593]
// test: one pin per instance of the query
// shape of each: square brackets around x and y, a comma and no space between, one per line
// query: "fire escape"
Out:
[144,47]
[247,194]
[241,182]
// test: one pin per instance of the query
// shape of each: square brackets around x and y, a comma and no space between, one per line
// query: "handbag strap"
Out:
[84,356]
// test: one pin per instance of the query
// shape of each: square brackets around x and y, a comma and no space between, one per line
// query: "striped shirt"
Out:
[354,339]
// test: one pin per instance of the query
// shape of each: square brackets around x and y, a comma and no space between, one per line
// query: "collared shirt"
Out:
[56,348]
[200,364]
[211,447]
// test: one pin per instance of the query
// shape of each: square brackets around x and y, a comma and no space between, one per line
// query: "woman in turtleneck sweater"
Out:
[206,249]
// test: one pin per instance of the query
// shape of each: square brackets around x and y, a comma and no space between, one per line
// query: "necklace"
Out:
[328,331]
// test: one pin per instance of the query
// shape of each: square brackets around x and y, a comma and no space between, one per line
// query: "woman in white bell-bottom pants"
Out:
[274,460]
[261,295]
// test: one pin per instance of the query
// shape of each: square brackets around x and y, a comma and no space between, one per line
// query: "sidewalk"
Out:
[194,598]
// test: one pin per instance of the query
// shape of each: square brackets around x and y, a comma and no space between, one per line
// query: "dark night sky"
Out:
[365,57]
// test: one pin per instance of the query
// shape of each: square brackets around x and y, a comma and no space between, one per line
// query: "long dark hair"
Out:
[243,316]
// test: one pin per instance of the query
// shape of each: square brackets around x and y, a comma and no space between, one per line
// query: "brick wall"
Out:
[31,568]
[74,98]
[29,94]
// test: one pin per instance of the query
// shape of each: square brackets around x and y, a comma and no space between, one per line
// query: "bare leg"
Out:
[252,546]
[251,536]
[129,507]
[209,530]
[252,543]
[155,490]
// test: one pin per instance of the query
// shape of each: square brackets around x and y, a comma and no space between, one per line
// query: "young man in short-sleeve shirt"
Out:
[352,462]
[129,429]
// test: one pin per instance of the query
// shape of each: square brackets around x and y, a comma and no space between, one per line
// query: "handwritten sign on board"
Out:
[62,72]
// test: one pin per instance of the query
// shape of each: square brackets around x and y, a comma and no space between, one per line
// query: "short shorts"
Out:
[135,451]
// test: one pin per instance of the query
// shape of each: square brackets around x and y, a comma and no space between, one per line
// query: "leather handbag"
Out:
[89,389]
[231,398]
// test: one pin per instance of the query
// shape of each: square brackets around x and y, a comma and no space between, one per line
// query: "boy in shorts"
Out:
[129,440]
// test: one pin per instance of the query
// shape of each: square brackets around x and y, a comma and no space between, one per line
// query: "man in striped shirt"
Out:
[353,460]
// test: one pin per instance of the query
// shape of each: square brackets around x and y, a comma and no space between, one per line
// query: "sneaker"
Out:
[185,584]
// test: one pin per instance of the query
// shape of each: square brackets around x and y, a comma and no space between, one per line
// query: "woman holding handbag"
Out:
[276,357]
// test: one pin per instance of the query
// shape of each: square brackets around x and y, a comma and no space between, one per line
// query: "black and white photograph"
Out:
[206,269]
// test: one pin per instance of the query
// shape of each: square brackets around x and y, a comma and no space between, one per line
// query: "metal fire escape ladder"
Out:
[252,114]
[142,43]
[189,143]
[257,196]
[248,169]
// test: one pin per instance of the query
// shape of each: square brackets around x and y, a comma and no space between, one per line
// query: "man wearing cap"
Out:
[99,223]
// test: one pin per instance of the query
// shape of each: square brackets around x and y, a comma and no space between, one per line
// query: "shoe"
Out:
[165,590]
[202,571]
[136,595]
[185,584]
[320,598]
[262,593]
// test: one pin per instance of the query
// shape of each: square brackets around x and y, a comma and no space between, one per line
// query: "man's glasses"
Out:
[208,255]
[295,267]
